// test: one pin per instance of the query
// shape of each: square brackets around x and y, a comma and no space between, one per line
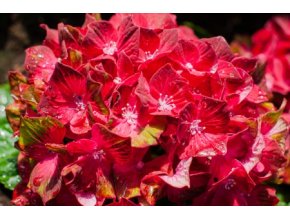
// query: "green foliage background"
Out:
[8,154]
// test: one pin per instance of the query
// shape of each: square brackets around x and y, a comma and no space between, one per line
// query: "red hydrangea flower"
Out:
[138,111]
[202,128]
[270,45]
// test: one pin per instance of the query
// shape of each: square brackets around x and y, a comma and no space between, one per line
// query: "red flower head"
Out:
[138,111]
[73,99]
[202,129]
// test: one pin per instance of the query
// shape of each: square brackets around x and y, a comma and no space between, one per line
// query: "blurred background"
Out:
[19,31]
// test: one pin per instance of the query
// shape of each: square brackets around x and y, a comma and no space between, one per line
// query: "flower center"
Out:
[110,48]
[165,103]
[117,80]
[129,114]
[98,155]
[149,56]
[189,66]
[230,184]
[79,102]
[195,128]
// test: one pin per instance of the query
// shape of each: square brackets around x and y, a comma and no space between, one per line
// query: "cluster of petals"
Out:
[138,111]
[271,46]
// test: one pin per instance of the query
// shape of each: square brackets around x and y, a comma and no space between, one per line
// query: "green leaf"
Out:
[283,194]
[8,154]
[198,30]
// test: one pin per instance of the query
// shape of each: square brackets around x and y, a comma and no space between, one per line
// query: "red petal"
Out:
[149,40]
[64,78]
[221,47]
[100,33]
[263,196]
[181,177]
[205,145]
[119,148]
[51,40]
[129,36]
[86,199]
[186,33]
[167,82]
[207,57]
[185,52]
[40,62]
[155,21]
[231,187]
[168,40]
[209,119]
[124,66]
[81,147]
[79,123]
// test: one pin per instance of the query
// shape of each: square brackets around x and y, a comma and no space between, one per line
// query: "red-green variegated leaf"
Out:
[104,188]
[127,182]
[40,130]
[117,147]
[279,131]
[273,125]
[45,178]
[150,134]
[13,114]
[151,188]
[30,95]
[15,79]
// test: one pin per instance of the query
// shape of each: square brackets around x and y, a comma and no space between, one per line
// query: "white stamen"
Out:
[213,69]
[129,114]
[79,102]
[165,103]
[110,48]
[195,128]
[230,184]
[149,56]
[189,66]
[98,154]
[117,80]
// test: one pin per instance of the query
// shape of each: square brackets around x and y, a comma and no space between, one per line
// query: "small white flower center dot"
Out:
[129,114]
[189,66]
[79,102]
[117,80]
[110,48]
[165,103]
[194,127]
[98,154]
[149,55]
[230,184]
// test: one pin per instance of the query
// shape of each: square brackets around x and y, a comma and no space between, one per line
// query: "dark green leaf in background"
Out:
[283,195]
[198,30]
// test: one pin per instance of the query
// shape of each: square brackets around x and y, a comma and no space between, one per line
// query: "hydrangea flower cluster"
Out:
[271,46]
[138,111]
